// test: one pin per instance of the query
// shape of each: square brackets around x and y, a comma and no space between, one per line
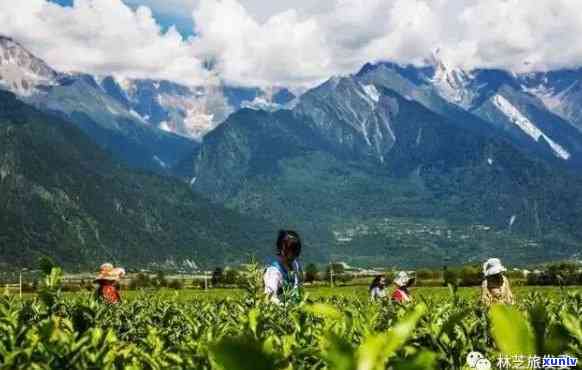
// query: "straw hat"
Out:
[107,272]
[119,271]
[106,267]
[402,278]
[493,266]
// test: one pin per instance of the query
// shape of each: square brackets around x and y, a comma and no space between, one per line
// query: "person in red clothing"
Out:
[403,282]
[107,281]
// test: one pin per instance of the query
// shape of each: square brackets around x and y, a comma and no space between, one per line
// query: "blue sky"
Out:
[183,21]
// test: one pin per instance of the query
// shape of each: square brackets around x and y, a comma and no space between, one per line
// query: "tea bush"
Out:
[53,331]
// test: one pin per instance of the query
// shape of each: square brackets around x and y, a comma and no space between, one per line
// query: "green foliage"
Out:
[337,271]
[217,276]
[160,280]
[343,278]
[62,193]
[231,277]
[420,206]
[333,332]
[50,289]
[141,280]
[470,276]
[252,279]
[311,273]
[450,277]
[176,284]
[46,264]
[511,331]
[563,273]
[229,352]
[425,274]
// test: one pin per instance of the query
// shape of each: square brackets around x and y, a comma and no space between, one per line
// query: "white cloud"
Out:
[303,47]
[261,10]
[283,50]
[296,42]
[102,37]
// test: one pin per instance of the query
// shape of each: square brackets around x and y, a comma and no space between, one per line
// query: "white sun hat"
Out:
[108,272]
[106,267]
[120,271]
[493,266]
[402,278]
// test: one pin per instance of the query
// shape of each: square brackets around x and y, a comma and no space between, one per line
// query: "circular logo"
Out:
[473,358]
[483,364]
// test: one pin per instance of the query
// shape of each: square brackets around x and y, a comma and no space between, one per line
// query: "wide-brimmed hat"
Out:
[493,266]
[402,278]
[108,272]
[119,271]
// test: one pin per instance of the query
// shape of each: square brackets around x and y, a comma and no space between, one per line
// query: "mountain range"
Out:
[395,160]
[150,124]
[61,195]
[395,164]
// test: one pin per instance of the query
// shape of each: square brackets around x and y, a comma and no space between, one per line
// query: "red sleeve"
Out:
[110,294]
[397,296]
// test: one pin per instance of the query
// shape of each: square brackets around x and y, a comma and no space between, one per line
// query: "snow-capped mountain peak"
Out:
[20,71]
[188,111]
[451,82]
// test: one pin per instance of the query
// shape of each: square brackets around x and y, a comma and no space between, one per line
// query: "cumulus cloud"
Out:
[296,43]
[261,10]
[302,47]
[101,37]
[285,49]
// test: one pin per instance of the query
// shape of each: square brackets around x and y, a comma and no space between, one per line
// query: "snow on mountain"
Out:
[516,117]
[261,103]
[364,118]
[559,91]
[188,111]
[547,95]
[160,162]
[550,101]
[193,113]
[126,85]
[20,71]
[452,83]
[372,92]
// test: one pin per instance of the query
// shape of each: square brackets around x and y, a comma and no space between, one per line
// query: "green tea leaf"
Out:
[339,353]
[324,310]
[241,354]
[375,351]
[399,333]
[573,324]
[424,360]
[253,320]
[511,331]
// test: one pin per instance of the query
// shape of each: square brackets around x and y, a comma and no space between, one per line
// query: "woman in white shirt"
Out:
[377,288]
[283,275]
